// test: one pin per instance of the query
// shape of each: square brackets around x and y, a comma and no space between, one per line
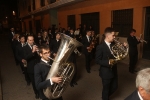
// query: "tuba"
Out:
[60,67]
[119,51]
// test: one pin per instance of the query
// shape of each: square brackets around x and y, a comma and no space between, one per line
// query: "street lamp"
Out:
[14,13]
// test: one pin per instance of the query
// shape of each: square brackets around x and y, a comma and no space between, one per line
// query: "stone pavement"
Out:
[89,86]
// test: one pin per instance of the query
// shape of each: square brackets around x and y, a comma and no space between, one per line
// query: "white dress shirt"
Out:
[108,44]
[47,62]
[140,96]
[88,38]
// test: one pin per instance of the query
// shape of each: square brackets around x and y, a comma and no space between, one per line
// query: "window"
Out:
[122,21]
[42,3]
[52,1]
[71,21]
[33,4]
[29,8]
[91,19]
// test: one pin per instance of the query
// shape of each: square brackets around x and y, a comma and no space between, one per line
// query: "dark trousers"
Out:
[22,66]
[88,59]
[109,87]
[133,58]
[31,76]
[27,78]
[24,69]
[55,99]
[72,59]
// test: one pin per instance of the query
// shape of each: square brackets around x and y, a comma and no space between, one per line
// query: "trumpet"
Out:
[140,39]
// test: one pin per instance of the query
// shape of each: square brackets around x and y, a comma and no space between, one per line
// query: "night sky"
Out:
[12,4]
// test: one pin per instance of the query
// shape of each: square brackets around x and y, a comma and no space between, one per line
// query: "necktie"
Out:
[31,46]
[110,48]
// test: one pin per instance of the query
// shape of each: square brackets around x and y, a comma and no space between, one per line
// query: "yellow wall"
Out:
[46,21]
[105,9]
[44,18]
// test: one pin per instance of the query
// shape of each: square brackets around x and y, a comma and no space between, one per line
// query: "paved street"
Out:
[89,86]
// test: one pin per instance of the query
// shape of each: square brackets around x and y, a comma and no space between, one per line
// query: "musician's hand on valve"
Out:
[54,54]
[88,47]
[112,62]
[56,79]
[23,60]
[34,48]
[125,44]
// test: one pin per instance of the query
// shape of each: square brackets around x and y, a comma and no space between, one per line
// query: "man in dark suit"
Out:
[20,57]
[88,54]
[133,51]
[30,54]
[142,85]
[41,71]
[11,34]
[71,33]
[108,70]
[54,45]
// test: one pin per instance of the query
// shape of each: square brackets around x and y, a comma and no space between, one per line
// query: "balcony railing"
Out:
[57,4]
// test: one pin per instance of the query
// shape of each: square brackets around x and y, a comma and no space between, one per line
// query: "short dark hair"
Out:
[132,30]
[21,36]
[88,30]
[58,33]
[30,36]
[108,30]
[43,46]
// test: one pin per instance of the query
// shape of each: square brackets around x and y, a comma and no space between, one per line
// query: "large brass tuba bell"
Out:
[60,67]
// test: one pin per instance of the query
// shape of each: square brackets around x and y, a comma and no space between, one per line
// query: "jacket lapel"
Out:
[107,48]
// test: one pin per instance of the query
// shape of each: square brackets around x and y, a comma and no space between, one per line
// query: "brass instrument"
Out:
[93,42]
[76,51]
[119,51]
[140,39]
[61,68]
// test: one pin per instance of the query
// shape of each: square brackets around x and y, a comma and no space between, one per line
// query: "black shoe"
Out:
[28,83]
[37,96]
[71,84]
[135,71]
[75,83]
[88,71]
[132,72]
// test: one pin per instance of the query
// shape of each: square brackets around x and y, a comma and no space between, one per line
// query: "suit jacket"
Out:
[41,71]
[14,44]
[19,52]
[133,96]
[103,54]
[32,58]
[86,44]
[132,41]
[71,35]
[54,45]
[10,35]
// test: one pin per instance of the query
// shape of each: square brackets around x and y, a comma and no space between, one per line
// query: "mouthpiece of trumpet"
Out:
[50,58]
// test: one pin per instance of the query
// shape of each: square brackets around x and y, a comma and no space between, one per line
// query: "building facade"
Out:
[120,14]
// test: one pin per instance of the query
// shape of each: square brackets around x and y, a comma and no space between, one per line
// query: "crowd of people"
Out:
[32,53]
[27,51]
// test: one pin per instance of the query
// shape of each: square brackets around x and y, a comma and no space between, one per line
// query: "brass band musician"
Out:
[41,71]
[107,72]
[133,51]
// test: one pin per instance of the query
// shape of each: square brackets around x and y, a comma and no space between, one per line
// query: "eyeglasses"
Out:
[45,53]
